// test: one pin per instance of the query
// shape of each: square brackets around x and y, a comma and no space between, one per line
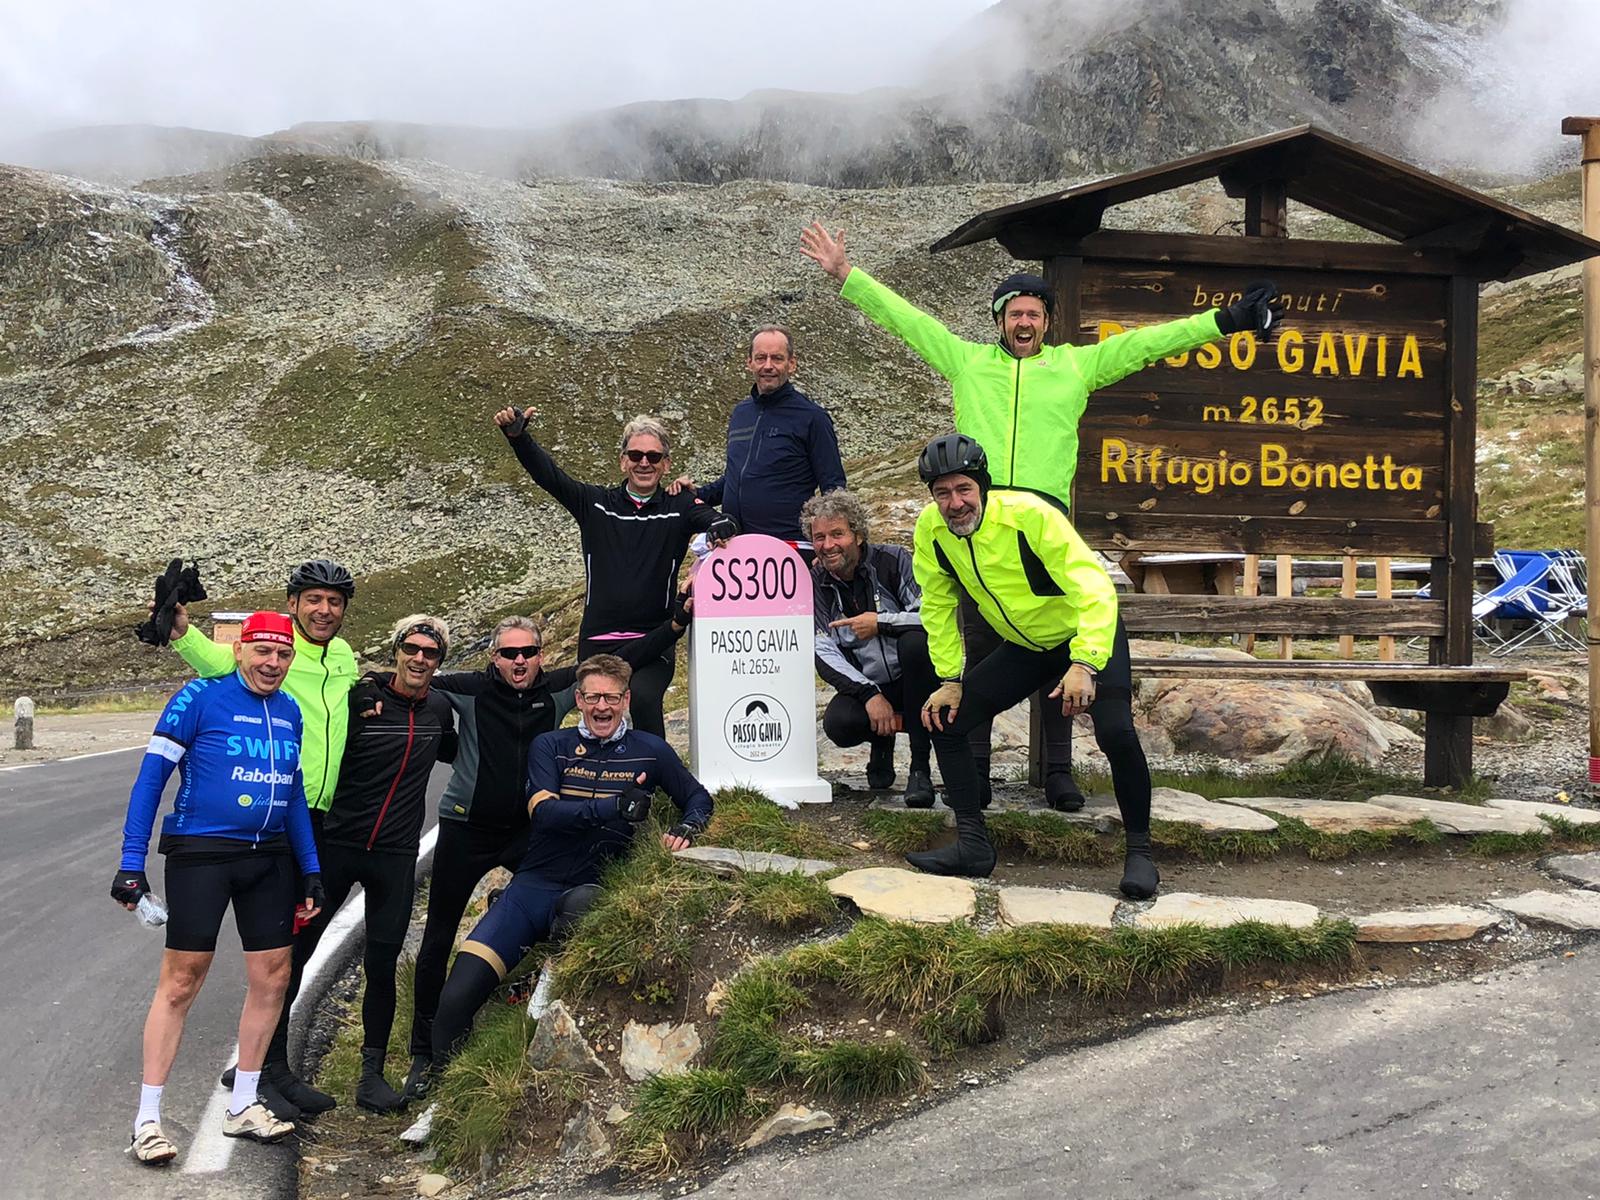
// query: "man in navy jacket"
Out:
[782,447]
[589,790]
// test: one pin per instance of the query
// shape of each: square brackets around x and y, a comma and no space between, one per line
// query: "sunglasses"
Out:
[643,456]
[597,697]
[520,651]
[431,653]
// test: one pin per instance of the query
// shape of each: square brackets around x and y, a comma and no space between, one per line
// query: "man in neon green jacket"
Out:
[1050,602]
[1022,399]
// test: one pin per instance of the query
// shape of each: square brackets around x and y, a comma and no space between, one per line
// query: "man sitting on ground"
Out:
[239,812]
[590,789]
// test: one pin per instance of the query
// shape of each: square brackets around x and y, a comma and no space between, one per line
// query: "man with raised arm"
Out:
[1022,399]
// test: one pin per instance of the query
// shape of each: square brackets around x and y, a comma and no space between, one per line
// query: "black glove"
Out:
[311,889]
[176,585]
[129,887]
[634,804]
[687,830]
[682,613]
[1259,310]
[723,528]
[366,698]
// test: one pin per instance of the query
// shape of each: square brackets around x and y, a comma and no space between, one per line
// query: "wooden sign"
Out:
[1332,436]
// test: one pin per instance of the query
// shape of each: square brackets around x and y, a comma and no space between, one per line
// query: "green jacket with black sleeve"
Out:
[1024,412]
[1030,574]
[318,680]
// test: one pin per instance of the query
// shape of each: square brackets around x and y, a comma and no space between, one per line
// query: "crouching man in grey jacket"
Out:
[870,646]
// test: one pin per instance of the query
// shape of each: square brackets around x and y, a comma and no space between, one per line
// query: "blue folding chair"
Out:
[1549,603]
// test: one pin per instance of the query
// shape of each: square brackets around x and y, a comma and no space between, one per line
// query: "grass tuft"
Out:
[852,1070]
[1498,845]
[644,925]
[1571,832]
[902,832]
[785,900]
[1046,836]
[745,819]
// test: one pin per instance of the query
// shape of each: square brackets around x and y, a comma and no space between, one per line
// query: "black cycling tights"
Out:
[377,1005]
[1003,680]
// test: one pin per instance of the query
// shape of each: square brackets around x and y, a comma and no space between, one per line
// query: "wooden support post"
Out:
[1285,587]
[1252,587]
[24,721]
[1589,129]
[1385,587]
[1347,589]
[1447,748]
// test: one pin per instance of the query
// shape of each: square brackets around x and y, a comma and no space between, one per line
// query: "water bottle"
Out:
[151,911]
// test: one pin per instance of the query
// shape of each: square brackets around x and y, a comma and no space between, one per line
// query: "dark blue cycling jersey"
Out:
[238,754]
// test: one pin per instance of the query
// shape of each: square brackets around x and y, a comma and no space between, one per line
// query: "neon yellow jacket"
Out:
[319,681]
[1029,572]
[1024,412]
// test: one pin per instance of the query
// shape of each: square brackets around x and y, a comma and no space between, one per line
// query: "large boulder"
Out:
[1269,723]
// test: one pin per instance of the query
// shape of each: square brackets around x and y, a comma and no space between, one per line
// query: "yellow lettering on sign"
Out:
[1273,458]
[1355,351]
[1242,350]
[1291,351]
[1410,358]
[1327,362]
[1110,447]
[1209,356]
[1109,329]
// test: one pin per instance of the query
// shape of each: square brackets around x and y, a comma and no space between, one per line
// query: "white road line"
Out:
[74,758]
[211,1151]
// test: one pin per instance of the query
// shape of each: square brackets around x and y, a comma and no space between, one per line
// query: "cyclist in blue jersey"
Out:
[237,831]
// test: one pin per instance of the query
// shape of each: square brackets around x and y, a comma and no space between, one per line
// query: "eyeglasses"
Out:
[431,653]
[597,697]
[638,456]
[519,651]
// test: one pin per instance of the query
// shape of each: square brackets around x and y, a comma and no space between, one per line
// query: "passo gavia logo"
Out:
[757,727]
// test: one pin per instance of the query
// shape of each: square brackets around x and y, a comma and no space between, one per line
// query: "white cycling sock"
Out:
[149,1105]
[244,1090]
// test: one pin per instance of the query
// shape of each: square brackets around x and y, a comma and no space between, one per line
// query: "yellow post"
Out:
[1589,129]
[1385,571]
[1285,588]
[1252,587]
[1347,589]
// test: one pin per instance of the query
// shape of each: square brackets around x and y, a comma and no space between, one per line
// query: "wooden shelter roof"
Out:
[1328,173]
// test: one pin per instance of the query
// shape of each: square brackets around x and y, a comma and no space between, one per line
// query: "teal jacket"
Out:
[1025,411]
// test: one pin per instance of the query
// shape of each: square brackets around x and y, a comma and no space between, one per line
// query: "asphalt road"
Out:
[78,974]
[1483,1090]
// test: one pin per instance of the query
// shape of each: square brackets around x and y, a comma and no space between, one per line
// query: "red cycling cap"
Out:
[268,627]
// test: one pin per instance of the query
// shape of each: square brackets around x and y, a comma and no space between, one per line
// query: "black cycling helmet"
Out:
[1022,284]
[953,454]
[321,573]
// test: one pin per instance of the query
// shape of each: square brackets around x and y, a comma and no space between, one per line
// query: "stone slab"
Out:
[1581,869]
[1053,906]
[1569,910]
[1170,804]
[1326,816]
[900,895]
[790,1120]
[719,860]
[1537,808]
[664,1049]
[1451,817]
[1447,923]
[1180,908]
[558,1044]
